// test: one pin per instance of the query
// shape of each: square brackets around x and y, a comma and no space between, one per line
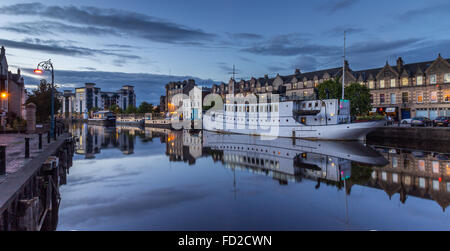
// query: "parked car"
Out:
[421,121]
[441,121]
[406,121]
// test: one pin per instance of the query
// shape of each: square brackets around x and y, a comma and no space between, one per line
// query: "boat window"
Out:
[309,105]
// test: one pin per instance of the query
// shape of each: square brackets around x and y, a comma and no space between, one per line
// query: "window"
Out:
[392,83]
[381,98]
[419,80]
[433,97]
[405,98]
[371,98]
[393,101]
[382,84]
[394,162]
[435,185]
[421,182]
[405,81]
[435,165]
[447,78]
[420,97]
[447,96]
[421,165]
[395,178]
[433,79]
[371,85]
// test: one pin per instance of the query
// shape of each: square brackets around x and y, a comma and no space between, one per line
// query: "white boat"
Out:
[330,160]
[307,119]
[104,118]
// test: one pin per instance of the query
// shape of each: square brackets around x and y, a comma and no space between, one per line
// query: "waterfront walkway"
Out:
[15,150]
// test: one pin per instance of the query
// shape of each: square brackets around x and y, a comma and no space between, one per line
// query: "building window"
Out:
[433,79]
[433,97]
[371,85]
[392,83]
[405,81]
[435,185]
[420,97]
[382,84]
[381,98]
[447,78]
[405,98]
[447,96]
[421,165]
[419,80]
[435,165]
[393,100]
[371,98]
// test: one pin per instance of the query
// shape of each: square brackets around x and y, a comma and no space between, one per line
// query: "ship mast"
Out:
[343,73]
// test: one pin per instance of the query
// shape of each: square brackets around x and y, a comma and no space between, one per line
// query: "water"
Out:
[154,179]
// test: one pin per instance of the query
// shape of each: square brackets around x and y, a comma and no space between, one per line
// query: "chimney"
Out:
[266,76]
[297,72]
[399,64]
[18,71]
[3,50]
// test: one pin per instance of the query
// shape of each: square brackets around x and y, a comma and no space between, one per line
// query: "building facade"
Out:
[3,87]
[17,93]
[401,91]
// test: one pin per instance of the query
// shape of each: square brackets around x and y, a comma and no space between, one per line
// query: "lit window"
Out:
[420,97]
[393,99]
[392,83]
[422,165]
[394,162]
[435,165]
[433,97]
[382,83]
[395,178]
[433,79]
[371,85]
[447,96]
[435,185]
[405,81]
[447,78]
[421,182]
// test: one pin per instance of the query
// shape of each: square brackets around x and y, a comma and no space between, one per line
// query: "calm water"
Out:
[153,179]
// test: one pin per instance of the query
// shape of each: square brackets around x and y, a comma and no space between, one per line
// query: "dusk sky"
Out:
[204,38]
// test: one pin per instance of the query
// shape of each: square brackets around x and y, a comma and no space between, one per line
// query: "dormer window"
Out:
[419,80]
[371,84]
[382,83]
[433,79]
[392,82]
[405,81]
[447,78]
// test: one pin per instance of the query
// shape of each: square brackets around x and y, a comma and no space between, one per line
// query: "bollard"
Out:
[27,148]
[40,141]
[48,137]
[54,134]
[2,159]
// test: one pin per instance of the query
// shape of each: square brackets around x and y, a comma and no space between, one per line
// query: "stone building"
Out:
[3,87]
[173,102]
[127,97]
[17,94]
[401,91]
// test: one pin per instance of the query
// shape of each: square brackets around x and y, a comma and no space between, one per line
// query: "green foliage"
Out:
[19,124]
[370,117]
[130,110]
[145,107]
[358,95]
[41,97]
[115,109]
[334,88]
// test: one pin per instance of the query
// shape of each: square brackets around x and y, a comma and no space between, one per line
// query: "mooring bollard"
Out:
[40,141]
[27,148]
[54,134]
[48,137]
[2,159]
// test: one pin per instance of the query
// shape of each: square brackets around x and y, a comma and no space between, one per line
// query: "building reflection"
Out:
[420,174]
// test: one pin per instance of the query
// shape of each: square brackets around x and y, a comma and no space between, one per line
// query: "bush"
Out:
[370,117]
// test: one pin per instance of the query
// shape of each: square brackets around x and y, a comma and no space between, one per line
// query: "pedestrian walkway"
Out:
[15,150]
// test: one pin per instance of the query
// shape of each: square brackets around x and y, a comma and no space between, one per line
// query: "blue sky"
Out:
[204,39]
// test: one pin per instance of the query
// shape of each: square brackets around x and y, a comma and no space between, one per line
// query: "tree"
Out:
[145,107]
[41,97]
[358,95]
[115,109]
[333,87]
[131,110]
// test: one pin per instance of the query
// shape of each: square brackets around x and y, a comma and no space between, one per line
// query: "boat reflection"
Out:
[406,172]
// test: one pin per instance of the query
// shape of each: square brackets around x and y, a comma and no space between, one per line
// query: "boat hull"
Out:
[350,131]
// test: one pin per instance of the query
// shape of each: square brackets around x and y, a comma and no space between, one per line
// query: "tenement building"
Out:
[401,91]
[3,87]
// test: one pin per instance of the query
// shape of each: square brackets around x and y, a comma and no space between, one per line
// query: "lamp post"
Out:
[48,66]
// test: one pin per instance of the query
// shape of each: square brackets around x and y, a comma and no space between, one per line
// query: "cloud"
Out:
[123,22]
[149,87]
[227,68]
[245,36]
[339,30]
[48,28]
[290,45]
[62,48]
[423,11]
[382,46]
[337,5]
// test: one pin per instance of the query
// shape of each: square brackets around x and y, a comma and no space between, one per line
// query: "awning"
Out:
[390,109]
[374,110]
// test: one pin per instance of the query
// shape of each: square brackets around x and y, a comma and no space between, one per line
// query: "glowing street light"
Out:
[48,66]
[4,95]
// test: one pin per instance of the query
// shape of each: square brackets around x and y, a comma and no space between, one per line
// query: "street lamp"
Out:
[48,66]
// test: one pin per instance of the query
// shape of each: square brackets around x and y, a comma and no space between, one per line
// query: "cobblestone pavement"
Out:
[15,150]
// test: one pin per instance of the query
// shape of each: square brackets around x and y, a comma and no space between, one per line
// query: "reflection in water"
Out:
[343,165]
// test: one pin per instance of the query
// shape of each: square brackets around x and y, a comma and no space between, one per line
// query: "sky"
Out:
[148,43]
